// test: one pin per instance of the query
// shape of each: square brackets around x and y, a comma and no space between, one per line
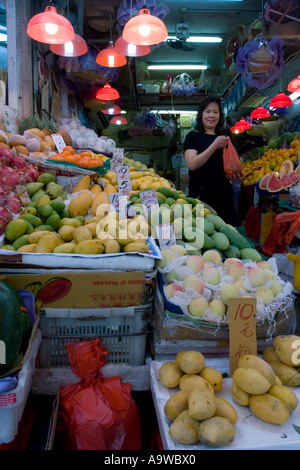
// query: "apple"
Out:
[171,289]
[211,275]
[198,307]
[218,307]
[195,263]
[193,282]
[257,276]
[212,256]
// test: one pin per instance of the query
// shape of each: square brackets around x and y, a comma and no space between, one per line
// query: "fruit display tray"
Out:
[251,432]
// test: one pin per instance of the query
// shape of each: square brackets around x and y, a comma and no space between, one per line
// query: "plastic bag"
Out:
[276,240]
[97,413]
[252,223]
[293,218]
[232,165]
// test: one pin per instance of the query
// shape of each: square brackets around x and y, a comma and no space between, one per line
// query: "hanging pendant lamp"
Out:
[71,48]
[144,29]
[281,101]
[50,27]
[260,113]
[107,93]
[242,124]
[294,85]
[129,49]
[109,57]
[119,120]
[115,109]
[234,130]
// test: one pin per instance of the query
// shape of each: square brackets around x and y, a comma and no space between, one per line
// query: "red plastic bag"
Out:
[276,240]
[232,165]
[293,219]
[97,413]
[252,223]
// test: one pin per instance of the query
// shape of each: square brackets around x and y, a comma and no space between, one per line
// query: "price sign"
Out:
[149,200]
[117,159]
[124,181]
[166,236]
[59,142]
[119,202]
[242,329]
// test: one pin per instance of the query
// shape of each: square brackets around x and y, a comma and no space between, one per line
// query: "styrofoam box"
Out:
[12,403]
[251,432]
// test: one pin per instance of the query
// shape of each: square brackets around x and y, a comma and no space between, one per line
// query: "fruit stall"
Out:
[125,266]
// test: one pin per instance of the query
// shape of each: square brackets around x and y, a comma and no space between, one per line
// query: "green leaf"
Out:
[297,428]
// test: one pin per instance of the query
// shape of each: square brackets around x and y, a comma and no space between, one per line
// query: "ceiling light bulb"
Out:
[69,48]
[144,30]
[51,28]
[131,49]
[111,61]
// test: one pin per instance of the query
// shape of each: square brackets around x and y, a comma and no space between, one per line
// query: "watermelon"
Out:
[286,181]
[274,185]
[294,177]
[264,181]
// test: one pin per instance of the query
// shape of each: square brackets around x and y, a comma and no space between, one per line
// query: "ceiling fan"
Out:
[182,34]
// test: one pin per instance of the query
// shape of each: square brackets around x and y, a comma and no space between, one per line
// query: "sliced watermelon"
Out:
[286,181]
[264,181]
[294,177]
[274,185]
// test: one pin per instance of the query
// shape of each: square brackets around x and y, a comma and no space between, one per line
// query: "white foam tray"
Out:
[251,432]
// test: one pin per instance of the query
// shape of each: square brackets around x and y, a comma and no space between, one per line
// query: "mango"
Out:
[57,205]
[44,227]
[47,243]
[80,205]
[82,233]
[66,232]
[44,210]
[65,248]
[46,178]
[15,229]
[139,247]
[70,221]
[30,210]
[34,237]
[89,247]
[53,221]
[23,240]
[30,248]
[84,183]
[34,220]
[44,199]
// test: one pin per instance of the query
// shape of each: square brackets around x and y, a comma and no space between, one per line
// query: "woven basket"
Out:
[261,61]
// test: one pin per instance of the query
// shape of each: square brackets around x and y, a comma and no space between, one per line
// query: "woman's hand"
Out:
[221,141]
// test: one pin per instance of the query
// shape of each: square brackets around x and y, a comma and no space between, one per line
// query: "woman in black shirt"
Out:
[203,151]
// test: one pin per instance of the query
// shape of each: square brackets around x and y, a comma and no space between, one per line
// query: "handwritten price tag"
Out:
[166,236]
[242,329]
[119,202]
[149,199]
[117,159]
[59,142]
[124,181]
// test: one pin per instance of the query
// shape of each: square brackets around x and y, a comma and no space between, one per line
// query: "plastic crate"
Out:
[12,403]
[122,330]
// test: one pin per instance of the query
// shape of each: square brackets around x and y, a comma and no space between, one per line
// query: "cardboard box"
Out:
[86,289]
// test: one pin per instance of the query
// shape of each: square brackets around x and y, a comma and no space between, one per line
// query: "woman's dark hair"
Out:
[203,105]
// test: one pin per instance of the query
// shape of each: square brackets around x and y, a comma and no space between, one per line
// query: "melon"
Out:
[286,168]
[294,177]
[286,181]
[264,181]
[274,185]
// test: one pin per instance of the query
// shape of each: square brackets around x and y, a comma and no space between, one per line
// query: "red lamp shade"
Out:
[260,113]
[115,109]
[234,130]
[109,57]
[71,48]
[129,49]
[281,101]
[242,125]
[145,29]
[50,28]
[107,93]
[294,85]
[119,120]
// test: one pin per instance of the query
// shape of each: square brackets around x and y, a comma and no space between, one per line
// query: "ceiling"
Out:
[235,22]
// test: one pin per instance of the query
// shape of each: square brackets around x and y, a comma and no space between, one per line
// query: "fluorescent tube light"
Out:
[294,96]
[171,111]
[177,67]
[201,39]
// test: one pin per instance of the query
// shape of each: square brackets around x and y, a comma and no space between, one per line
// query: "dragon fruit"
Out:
[5,217]
[9,178]
[6,157]
[14,204]
[18,162]
[32,173]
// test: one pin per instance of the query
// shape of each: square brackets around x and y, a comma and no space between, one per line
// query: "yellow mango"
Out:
[80,205]
[84,183]
[89,247]
[47,244]
[101,198]
[30,248]
[109,188]
[95,189]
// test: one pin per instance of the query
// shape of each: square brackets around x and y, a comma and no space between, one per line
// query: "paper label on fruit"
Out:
[124,181]
[59,142]
[117,159]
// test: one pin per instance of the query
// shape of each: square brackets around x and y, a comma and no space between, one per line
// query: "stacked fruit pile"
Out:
[86,159]
[270,162]
[195,413]
[257,384]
